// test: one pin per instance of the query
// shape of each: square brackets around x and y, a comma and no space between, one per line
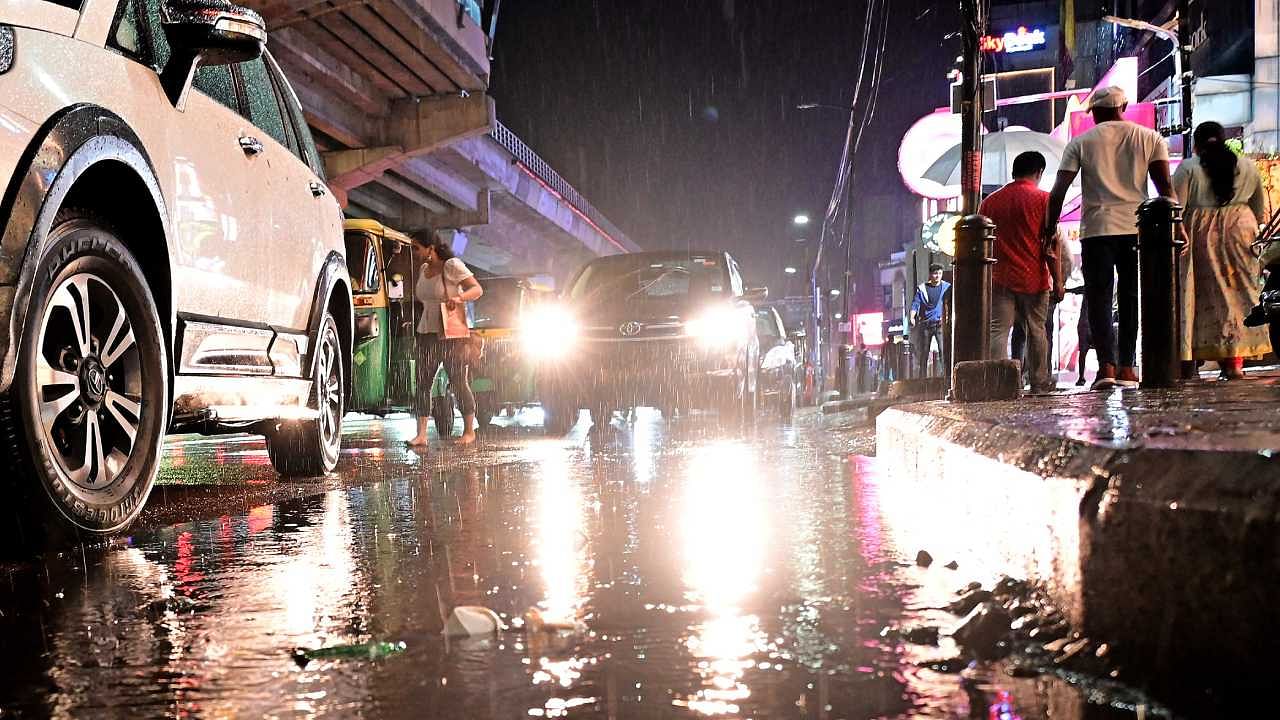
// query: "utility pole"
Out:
[975,24]
[1186,76]
[971,289]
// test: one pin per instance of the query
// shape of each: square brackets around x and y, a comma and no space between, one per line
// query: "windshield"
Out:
[641,278]
[767,326]
[499,306]
[362,264]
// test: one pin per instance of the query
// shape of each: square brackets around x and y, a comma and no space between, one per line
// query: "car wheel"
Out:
[442,414]
[486,408]
[750,401]
[86,414]
[307,448]
[601,416]
[787,402]
[558,417]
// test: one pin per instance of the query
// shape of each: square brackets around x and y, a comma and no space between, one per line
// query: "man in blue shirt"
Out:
[926,316]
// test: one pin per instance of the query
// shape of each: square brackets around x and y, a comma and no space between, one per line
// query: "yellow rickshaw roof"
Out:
[375,227]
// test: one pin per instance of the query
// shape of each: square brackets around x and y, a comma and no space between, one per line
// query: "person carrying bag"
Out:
[444,286]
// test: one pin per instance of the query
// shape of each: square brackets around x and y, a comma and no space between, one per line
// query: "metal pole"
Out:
[975,235]
[1158,250]
[971,107]
[971,291]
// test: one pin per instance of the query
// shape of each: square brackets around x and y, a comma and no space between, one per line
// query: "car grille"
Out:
[627,331]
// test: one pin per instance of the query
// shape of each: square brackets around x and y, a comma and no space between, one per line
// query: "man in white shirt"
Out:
[1113,159]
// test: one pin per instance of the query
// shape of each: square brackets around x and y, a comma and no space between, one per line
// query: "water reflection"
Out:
[725,529]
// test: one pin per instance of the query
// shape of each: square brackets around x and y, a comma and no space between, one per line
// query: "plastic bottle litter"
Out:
[370,650]
[468,620]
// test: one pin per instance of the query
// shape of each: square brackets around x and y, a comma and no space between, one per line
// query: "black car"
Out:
[672,330]
[779,362]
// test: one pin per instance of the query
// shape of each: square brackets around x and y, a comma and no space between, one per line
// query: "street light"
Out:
[789,270]
[801,219]
[1169,32]
[835,292]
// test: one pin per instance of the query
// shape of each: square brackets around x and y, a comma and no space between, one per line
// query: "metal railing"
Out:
[539,168]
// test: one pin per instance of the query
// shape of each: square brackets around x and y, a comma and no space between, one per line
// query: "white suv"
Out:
[170,258]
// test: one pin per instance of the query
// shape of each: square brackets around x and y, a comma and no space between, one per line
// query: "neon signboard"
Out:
[1022,40]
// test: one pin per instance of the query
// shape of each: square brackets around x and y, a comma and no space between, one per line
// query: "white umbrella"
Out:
[998,151]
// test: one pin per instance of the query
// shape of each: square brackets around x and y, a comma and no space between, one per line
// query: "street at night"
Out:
[653,570]
[484,360]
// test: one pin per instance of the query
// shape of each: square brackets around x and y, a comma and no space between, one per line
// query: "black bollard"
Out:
[971,288]
[1158,249]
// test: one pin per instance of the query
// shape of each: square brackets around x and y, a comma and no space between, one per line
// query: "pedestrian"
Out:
[1026,274]
[1083,336]
[1224,207]
[443,286]
[926,316]
[1114,159]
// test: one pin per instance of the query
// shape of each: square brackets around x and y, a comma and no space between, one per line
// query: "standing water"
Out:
[658,570]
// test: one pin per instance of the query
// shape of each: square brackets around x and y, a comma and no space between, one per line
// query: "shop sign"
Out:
[1023,40]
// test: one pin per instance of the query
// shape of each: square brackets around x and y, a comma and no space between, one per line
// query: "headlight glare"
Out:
[718,327]
[548,331]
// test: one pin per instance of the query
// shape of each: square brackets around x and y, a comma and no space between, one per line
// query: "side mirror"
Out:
[207,32]
[756,294]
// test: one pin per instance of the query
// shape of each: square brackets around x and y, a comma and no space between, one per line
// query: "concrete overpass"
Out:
[395,93]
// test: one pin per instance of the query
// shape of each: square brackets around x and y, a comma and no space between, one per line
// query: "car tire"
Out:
[787,402]
[486,408]
[86,414]
[442,414]
[558,417]
[750,401]
[309,448]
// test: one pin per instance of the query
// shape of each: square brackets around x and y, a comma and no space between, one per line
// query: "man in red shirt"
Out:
[1026,270]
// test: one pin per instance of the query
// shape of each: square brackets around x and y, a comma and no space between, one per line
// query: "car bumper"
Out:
[630,373]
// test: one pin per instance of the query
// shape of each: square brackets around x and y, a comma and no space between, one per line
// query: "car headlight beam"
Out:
[548,332]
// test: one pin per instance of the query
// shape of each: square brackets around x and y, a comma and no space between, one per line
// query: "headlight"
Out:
[719,327]
[548,331]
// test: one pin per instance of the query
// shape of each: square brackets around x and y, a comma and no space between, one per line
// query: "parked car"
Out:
[672,330]
[171,259]
[780,364]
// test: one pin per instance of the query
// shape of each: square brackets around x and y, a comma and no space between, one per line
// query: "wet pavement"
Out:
[655,570]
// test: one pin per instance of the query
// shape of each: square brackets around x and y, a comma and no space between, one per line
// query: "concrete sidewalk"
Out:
[1151,516]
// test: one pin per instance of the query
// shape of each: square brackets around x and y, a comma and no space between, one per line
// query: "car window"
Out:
[735,278]
[293,111]
[126,33]
[260,96]
[217,83]
[622,278]
[362,264]
[766,326]
[157,52]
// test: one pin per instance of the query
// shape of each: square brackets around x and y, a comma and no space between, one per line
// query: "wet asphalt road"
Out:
[692,573]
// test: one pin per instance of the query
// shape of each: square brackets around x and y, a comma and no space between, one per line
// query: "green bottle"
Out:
[370,650]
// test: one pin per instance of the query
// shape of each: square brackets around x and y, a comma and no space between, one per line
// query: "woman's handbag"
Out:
[455,320]
[455,328]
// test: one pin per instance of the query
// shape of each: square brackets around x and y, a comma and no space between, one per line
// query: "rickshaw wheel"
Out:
[442,414]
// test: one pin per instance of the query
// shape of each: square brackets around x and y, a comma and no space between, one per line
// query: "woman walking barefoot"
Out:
[443,285]
[1224,203]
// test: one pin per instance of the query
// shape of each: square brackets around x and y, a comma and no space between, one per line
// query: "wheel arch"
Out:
[84,157]
[333,294]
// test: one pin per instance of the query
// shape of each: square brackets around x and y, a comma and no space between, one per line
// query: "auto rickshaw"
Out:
[383,263]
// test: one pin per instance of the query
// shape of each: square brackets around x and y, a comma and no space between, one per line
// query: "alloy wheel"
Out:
[88,382]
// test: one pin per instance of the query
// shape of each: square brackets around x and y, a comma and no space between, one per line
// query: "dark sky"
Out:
[677,118]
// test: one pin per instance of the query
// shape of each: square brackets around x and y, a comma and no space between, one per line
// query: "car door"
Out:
[303,220]
[217,215]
